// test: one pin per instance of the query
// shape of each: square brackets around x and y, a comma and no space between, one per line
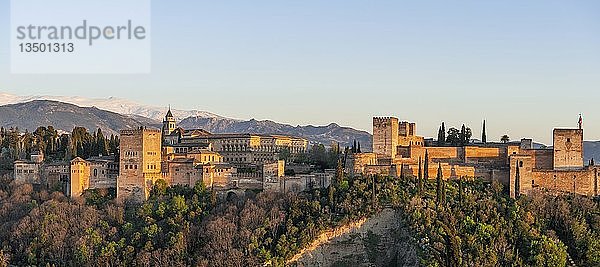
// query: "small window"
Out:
[521,163]
[568,139]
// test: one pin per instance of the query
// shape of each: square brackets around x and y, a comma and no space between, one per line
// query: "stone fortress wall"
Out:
[560,169]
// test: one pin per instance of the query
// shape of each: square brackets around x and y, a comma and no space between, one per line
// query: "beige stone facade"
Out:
[182,171]
[273,170]
[397,150]
[80,177]
[57,175]
[103,172]
[72,178]
[357,162]
[217,175]
[27,172]
[559,170]
[568,148]
[223,160]
[139,164]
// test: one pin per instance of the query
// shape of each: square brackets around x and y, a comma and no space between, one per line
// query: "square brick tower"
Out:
[139,165]
[568,149]
[385,137]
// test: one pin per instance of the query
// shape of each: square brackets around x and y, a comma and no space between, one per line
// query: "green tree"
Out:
[441,140]
[439,187]
[465,135]
[102,146]
[284,154]
[548,252]
[453,137]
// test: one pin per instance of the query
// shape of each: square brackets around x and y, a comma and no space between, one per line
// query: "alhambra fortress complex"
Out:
[229,162]
[224,162]
[398,150]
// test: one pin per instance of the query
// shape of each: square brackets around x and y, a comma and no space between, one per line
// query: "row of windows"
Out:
[208,158]
[25,171]
[181,150]
[235,159]
[130,167]
[96,172]
[131,153]
[151,166]
[263,148]
[152,153]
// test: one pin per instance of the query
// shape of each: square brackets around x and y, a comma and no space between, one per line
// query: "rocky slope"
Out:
[380,241]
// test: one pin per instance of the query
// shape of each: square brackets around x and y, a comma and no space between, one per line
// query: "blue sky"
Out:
[525,66]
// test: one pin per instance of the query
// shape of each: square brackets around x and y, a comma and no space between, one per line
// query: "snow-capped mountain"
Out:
[113,114]
[118,105]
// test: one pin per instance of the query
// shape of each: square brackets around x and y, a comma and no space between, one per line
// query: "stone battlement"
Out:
[561,168]
[138,131]
[383,119]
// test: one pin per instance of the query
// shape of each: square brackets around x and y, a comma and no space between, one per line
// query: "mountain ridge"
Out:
[113,104]
[65,116]
[345,136]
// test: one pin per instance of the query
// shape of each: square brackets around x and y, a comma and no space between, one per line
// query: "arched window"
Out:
[521,163]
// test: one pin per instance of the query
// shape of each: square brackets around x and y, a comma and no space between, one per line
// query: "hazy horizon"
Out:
[476,135]
[525,67]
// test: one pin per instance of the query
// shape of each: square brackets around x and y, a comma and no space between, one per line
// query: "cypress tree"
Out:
[374,200]
[439,186]
[463,135]
[402,171]
[440,140]
[339,176]
[358,149]
[426,167]
[483,135]
[330,196]
[101,143]
[460,191]
[111,144]
[517,180]
[443,134]
[419,177]
[443,192]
